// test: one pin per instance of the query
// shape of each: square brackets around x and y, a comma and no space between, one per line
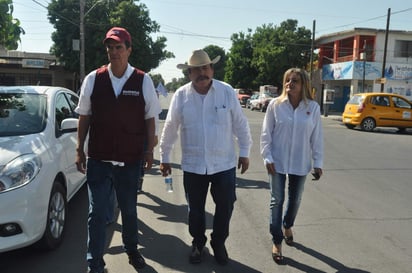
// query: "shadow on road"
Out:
[251,184]
[336,265]
[171,251]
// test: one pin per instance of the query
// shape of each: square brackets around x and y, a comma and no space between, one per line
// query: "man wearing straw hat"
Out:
[210,120]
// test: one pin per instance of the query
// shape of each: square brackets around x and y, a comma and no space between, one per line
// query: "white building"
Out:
[352,62]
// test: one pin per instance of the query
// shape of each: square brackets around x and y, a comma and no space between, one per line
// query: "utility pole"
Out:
[384,50]
[83,14]
[364,57]
[312,48]
[82,66]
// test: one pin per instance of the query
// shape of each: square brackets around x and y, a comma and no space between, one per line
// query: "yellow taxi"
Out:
[370,110]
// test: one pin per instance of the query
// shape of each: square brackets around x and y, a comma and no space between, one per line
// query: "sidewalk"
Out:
[334,116]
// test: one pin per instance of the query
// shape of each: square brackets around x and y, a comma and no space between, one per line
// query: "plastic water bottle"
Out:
[169,183]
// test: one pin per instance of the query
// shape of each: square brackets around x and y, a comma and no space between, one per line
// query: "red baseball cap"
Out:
[118,34]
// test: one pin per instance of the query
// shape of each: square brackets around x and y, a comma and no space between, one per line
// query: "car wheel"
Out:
[368,124]
[401,130]
[56,218]
[350,126]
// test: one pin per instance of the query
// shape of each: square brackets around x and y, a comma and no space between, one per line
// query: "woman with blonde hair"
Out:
[291,143]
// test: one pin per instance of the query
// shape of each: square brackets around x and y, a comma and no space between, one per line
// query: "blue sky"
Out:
[190,25]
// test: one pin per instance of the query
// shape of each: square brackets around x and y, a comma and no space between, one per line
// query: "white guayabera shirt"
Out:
[209,127]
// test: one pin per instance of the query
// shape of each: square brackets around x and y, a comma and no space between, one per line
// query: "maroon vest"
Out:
[117,125]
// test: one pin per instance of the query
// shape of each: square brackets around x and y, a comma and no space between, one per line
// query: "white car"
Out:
[262,102]
[38,175]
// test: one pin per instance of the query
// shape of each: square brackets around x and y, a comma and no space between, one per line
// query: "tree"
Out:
[98,19]
[157,78]
[219,68]
[10,29]
[276,49]
[176,83]
[262,57]
[238,71]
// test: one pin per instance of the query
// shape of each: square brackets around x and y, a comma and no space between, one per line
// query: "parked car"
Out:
[262,102]
[266,102]
[255,103]
[253,97]
[38,175]
[370,110]
[243,95]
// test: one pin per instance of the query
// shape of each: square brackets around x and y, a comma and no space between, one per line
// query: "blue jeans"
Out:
[111,209]
[277,189]
[101,177]
[223,190]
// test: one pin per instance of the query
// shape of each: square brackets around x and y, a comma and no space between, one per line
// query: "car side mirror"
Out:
[69,125]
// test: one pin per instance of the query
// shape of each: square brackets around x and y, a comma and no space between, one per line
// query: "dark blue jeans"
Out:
[101,177]
[277,183]
[223,190]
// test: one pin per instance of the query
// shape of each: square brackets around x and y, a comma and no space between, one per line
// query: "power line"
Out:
[196,35]
[367,20]
[56,13]
[182,32]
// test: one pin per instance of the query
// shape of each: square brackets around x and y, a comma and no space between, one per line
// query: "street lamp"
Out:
[363,58]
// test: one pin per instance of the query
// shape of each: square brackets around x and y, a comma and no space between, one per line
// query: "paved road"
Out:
[356,219]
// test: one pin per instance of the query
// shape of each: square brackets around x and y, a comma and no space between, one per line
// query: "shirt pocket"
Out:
[222,117]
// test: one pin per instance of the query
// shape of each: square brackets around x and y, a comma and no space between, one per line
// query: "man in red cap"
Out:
[117,107]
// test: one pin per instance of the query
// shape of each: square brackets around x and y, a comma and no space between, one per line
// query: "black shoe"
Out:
[196,255]
[136,260]
[220,253]
[289,240]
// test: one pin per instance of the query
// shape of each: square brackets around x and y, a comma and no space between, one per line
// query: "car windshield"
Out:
[398,102]
[22,113]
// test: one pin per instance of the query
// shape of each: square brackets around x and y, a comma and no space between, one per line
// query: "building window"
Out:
[345,47]
[403,49]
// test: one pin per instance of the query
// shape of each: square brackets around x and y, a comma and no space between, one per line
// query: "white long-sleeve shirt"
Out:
[209,126]
[292,139]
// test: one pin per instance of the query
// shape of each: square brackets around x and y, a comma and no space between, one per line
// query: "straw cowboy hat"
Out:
[199,58]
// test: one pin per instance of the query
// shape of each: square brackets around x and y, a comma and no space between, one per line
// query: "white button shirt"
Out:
[209,126]
[292,139]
